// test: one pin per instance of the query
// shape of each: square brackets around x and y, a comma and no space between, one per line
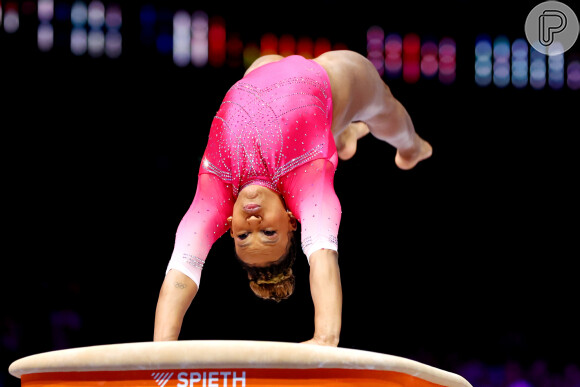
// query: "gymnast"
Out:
[269,164]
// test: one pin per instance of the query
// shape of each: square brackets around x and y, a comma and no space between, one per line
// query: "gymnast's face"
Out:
[260,225]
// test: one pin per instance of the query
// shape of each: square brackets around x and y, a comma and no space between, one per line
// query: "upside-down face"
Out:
[260,225]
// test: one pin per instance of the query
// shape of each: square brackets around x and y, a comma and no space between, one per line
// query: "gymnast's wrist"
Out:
[159,335]
[330,340]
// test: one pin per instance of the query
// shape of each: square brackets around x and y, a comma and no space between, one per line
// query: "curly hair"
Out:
[275,281]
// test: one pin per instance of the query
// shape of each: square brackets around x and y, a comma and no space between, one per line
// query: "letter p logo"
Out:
[552,28]
[551,22]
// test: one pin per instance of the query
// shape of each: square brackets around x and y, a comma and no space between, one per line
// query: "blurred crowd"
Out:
[514,374]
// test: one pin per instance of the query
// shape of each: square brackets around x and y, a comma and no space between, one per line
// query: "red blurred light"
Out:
[235,48]
[321,46]
[287,45]
[216,42]
[11,6]
[305,47]
[411,58]
[268,44]
[411,45]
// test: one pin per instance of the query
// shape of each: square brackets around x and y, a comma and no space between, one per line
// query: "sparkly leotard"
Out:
[273,129]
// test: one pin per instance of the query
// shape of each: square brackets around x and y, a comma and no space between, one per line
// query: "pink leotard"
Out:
[273,129]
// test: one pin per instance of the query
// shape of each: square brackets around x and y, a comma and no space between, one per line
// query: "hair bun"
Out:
[277,291]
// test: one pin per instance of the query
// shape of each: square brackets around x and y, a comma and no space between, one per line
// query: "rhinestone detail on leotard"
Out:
[193,260]
[264,130]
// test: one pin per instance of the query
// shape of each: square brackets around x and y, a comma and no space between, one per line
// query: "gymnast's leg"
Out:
[364,104]
[396,128]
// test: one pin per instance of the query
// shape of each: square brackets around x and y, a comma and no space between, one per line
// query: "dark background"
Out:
[468,258]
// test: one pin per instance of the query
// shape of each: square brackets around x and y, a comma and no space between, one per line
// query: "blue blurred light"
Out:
[501,65]
[519,63]
[556,71]
[483,66]
[11,20]
[483,73]
[96,14]
[573,75]
[78,41]
[113,43]
[181,38]
[62,12]
[45,10]
[148,16]
[501,47]
[96,42]
[537,69]
[45,37]
[483,48]
[164,43]
[113,17]
[79,14]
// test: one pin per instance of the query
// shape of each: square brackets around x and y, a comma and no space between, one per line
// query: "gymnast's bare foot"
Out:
[408,158]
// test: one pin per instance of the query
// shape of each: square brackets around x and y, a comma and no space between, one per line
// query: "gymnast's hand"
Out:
[326,293]
[319,341]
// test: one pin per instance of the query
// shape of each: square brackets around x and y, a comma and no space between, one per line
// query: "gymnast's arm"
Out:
[175,297]
[203,223]
[326,292]
[311,197]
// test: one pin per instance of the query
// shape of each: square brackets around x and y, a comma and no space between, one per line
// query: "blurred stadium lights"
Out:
[573,74]
[200,40]
[411,57]
[45,35]
[11,18]
[537,69]
[501,64]
[447,60]
[483,66]
[519,63]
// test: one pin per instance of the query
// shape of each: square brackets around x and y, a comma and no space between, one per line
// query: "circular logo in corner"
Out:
[552,28]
